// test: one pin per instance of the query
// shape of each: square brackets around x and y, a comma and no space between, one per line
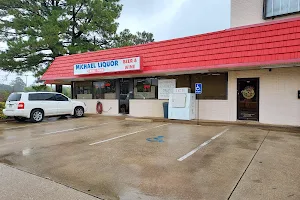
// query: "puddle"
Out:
[246,145]
[129,125]
[294,135]
[257,181]
[5,161]
[273,138]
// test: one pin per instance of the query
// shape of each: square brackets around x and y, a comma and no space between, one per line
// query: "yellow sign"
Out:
[248,92]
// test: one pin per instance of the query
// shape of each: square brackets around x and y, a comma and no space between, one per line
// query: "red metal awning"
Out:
[265,44]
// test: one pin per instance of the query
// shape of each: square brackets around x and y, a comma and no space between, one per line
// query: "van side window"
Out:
[48,97]
[41,97]
[60,97]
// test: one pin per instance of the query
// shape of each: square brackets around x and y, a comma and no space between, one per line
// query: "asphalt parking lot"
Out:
[110,158]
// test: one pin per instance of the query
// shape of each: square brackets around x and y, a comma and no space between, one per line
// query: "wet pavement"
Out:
[116,159]
[18,185]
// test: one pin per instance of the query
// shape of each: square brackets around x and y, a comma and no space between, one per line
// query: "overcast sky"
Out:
[167,19]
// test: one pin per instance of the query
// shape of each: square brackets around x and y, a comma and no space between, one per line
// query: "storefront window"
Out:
[214,85]
[145,88]
[105,89]
[83,90]
[181,80]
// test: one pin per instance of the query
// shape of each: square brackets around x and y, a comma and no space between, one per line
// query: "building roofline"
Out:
[226,67]
[188,37]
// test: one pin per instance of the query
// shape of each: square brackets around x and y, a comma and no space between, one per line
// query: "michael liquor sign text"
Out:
[126,64]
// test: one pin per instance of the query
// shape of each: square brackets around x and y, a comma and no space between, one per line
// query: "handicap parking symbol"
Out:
[156,139]
[198,88]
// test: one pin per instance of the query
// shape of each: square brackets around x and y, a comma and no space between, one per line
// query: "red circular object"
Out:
[99,107]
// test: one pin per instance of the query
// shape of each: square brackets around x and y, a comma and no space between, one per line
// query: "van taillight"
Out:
[21,105]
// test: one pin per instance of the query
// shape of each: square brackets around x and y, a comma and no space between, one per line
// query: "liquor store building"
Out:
[247,73]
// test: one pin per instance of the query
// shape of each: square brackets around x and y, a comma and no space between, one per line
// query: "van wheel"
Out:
[20,119]
[37,115]
[78,112]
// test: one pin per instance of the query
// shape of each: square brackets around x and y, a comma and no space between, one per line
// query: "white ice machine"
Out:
[182,104]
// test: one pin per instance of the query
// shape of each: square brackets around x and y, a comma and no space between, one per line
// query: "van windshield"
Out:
[14,97]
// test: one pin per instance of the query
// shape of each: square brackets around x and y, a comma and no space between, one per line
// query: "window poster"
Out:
[165,88]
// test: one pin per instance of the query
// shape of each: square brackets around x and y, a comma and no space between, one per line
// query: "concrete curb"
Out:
[207,122]
[139,120]
[237,123]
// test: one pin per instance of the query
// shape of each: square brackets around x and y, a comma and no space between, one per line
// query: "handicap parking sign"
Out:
[198,88]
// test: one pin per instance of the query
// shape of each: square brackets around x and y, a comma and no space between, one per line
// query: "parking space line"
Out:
[66,130]
[201,146]
[114,138]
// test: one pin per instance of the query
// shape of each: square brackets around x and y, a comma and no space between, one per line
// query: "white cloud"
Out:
[164,12]
[166,15]
[168,19]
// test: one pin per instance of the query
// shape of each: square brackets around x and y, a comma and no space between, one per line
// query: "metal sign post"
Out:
[198,90]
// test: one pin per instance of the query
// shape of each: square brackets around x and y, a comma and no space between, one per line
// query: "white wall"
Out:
[146,107]
[246,12]
[278,102]
[110,106]
[214,110]
[208,109]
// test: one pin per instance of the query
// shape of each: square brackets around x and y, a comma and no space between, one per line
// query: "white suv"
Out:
[36,105]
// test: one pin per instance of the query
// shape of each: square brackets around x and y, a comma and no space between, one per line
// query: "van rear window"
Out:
[14,97]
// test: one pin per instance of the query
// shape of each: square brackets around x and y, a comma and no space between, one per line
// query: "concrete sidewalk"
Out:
[19,185]
[253,124]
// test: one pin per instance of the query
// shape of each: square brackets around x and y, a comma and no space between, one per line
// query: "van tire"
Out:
[36,115]
[78,112]
[20,119]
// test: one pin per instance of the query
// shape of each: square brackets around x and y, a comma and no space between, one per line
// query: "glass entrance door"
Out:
[248,99]
[125,94]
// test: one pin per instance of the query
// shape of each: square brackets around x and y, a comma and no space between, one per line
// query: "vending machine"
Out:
[182,104]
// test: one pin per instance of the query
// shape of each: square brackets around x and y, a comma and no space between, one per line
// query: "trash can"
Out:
[166,109]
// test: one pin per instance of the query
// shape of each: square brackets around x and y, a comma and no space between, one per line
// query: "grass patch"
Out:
[2,106]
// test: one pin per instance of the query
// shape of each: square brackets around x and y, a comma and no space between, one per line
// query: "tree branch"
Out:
[81,32]
[44,61]
[78,34]
[76,12]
